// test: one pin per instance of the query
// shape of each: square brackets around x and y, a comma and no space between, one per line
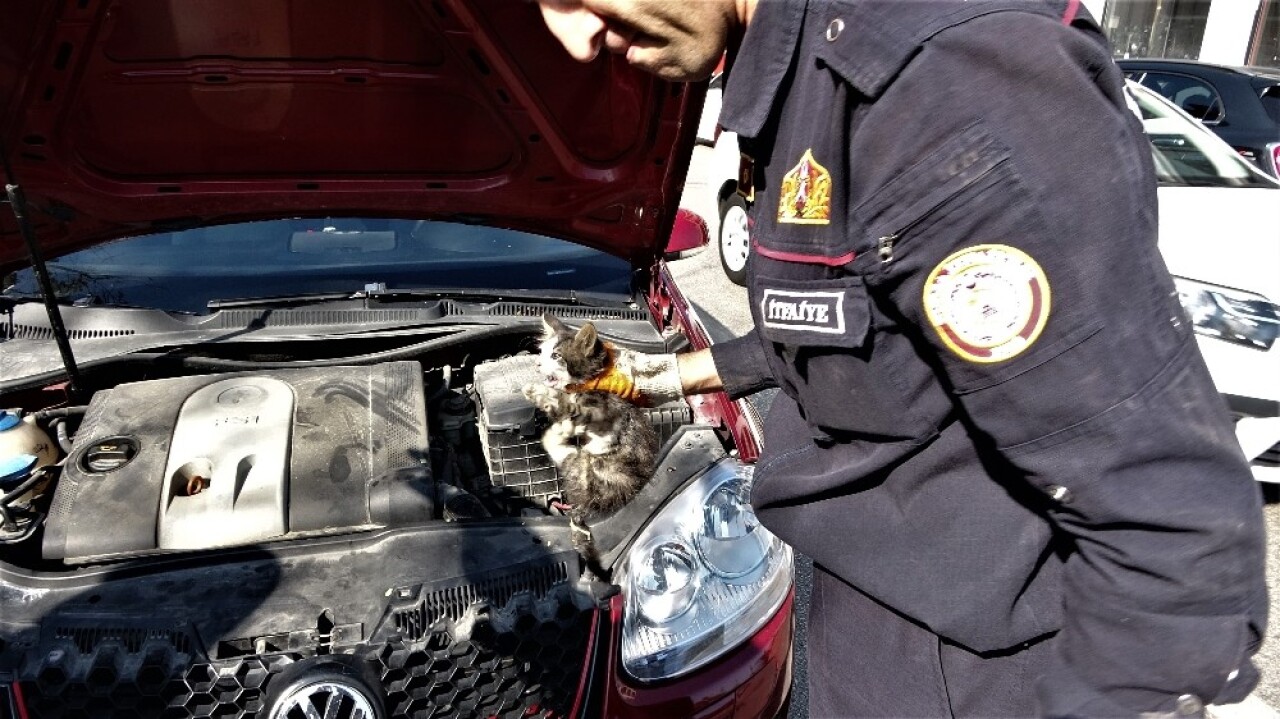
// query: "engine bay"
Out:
[206,461]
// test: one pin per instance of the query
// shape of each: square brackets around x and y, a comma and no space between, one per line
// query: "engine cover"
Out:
[232,459]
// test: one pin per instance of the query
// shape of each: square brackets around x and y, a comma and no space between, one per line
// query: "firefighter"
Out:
[995,435]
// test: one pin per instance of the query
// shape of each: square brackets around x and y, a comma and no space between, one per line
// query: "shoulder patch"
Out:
[806,194]
[987,303]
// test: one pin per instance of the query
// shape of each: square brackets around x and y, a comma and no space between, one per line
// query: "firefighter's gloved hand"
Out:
[643,379]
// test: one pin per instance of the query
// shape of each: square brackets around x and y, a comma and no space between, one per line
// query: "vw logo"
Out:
[324,700]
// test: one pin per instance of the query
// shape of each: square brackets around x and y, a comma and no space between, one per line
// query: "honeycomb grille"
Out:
[523,660]
[527,669]
[156,686]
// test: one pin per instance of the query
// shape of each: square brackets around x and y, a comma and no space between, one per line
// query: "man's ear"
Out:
[586,337]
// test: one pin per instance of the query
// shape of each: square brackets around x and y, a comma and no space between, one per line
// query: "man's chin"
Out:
[668,65]
[676,73]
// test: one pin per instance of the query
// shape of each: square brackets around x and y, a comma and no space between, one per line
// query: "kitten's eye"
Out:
[555,356]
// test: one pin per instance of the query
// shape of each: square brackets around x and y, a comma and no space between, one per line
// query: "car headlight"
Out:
[701,578]
[1232,315]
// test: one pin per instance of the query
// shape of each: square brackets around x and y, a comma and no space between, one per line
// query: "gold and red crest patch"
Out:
[987,303]
[806,193]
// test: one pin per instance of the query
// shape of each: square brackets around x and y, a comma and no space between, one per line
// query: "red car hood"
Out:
[122,117]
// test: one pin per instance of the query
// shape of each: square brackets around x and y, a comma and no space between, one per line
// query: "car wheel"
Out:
[337,686]
[735,240]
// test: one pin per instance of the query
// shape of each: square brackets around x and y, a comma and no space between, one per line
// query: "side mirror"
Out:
[689,232]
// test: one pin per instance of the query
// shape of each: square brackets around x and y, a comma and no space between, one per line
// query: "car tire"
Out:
[734,239]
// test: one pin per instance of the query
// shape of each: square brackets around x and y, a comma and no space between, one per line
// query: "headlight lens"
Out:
[1233,315]
[703,577]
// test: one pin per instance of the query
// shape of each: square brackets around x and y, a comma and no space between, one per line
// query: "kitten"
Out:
[602,444]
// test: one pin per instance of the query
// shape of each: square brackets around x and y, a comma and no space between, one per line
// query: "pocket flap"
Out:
[832,312]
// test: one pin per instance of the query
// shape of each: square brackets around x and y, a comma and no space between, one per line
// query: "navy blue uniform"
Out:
[994,427]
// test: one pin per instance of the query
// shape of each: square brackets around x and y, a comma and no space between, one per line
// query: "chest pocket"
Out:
[835,354]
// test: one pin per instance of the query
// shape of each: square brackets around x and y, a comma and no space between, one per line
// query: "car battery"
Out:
[511,432]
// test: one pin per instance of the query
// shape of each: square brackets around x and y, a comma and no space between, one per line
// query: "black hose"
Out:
[405,352]
[60,412]
[6,514]
[36,475]
[62,434]
[36,519]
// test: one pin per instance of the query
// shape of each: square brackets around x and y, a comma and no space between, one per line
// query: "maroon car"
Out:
[274,279]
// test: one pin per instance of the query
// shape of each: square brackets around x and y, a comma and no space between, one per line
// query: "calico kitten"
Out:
[602,444]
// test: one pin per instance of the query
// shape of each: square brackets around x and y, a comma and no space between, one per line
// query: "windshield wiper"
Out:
[282,300]
[379,292]
[561,297]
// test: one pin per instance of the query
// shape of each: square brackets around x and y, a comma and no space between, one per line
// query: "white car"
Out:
[1220,237]
[1219,234]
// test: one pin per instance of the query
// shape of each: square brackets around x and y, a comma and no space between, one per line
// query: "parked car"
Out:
[1218,235]
[1240,104]
[299,262]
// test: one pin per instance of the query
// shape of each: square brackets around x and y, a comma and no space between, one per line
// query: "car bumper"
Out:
[751,681]
[510,634]
[1249,379]
[1258,430]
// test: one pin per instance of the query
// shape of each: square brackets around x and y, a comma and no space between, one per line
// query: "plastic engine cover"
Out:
[232,459]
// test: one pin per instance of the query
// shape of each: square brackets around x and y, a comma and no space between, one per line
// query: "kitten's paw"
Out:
[542,396]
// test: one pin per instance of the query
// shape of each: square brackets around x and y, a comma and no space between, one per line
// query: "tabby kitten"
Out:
[602,444]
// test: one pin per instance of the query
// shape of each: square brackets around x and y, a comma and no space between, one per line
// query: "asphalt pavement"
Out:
[722,307]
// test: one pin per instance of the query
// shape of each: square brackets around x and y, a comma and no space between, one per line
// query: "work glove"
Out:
[640,378]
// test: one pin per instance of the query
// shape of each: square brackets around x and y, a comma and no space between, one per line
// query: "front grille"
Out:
[526,668]
[510,646]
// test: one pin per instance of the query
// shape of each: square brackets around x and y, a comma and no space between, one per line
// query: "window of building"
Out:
[1264,50]
[1156,28]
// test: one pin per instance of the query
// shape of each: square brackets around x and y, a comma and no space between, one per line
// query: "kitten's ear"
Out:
[586,338]
[552,324]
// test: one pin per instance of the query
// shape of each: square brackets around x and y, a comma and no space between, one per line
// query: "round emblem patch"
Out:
[988,303]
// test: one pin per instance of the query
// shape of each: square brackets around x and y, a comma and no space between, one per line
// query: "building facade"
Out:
[1226,32]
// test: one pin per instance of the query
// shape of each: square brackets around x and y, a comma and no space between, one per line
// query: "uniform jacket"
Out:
[993,418]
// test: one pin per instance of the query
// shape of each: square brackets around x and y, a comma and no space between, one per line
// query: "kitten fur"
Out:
[602,444]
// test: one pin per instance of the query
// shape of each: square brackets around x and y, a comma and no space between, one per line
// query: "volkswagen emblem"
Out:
[325,699]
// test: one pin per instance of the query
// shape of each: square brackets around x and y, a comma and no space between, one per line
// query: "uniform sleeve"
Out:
[742,366]
[1018,219]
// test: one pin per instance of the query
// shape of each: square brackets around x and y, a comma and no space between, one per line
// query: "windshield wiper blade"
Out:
[564,297]
[282,300]
[379,292]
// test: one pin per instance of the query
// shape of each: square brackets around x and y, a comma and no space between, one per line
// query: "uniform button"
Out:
[1059,494]
[834,28]
[1189,705]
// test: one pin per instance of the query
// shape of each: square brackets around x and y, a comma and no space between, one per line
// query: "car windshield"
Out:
[1187,153]
[183,271]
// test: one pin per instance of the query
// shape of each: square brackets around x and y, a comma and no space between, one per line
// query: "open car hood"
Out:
[122,117]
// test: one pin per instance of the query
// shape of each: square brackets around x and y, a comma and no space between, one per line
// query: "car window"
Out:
[1271,101]
[1187,153]
[182,271]
[1196,97]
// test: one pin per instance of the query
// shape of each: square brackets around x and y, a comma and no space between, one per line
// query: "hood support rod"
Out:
[18,203]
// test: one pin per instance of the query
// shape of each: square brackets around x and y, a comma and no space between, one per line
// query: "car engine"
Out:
[223,460]
[220,460]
